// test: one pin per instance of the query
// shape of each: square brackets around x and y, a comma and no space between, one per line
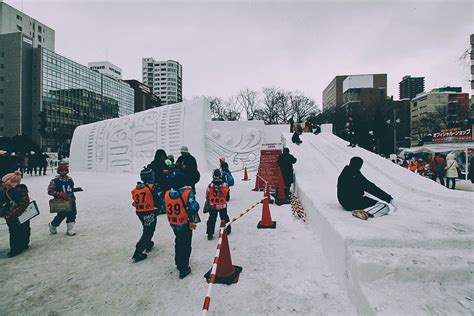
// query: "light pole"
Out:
[394,121]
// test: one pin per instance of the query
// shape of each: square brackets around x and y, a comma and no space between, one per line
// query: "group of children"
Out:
[178,201]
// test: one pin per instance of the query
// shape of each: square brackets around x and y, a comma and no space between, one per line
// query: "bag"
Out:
[30,212]
[59,205]
[459,173]
[229,179]
[206,208]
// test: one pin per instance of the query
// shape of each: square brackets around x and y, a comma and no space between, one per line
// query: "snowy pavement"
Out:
[284,270]
[417,261]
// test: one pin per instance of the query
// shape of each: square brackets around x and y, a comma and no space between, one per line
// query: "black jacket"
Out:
[285,162]
[351,186]
[188,166]
[158,167]
[296,137]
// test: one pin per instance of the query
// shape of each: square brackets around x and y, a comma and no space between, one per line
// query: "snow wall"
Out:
[128,143]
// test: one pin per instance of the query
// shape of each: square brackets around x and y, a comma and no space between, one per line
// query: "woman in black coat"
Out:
[285,162]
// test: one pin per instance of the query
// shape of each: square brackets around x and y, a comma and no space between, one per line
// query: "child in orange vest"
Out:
[146,211]
[216,202]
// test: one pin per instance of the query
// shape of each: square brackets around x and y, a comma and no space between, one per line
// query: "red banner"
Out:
[268,168]
[453,135]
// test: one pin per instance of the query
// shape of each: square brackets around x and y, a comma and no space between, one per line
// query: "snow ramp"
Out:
[418,260]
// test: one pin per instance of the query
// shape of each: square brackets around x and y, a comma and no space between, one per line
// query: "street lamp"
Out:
[394,121]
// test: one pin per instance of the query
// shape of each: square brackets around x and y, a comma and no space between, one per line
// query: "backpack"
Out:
[229,179]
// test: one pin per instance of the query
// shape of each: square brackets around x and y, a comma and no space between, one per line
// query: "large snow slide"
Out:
[410,262]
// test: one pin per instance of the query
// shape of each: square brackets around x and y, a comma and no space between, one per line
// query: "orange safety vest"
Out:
[175,209]
[412,167]
[216,197]
[143,199]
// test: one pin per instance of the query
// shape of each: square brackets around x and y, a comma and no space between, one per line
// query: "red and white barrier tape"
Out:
[207,299]
[266,182]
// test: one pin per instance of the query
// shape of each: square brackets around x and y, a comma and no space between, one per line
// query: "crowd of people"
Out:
[31,163]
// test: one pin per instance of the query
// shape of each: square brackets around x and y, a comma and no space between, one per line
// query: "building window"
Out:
[40,29]
[19,28]
[40,39]
[19,18]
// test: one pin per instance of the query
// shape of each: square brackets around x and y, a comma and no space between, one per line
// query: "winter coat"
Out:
[285,162]
[60,185]
[17,201]
[351,186]
[161,179]
[451,167]
[437,165]
[188,166]
[296,137]
[192,207]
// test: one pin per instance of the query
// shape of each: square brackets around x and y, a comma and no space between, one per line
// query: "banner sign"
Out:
[268,168]
[455,134]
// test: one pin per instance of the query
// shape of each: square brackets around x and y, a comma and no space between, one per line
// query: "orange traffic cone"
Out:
[246,175]
[280,196]
[266,221]
[226,273]
[257,184]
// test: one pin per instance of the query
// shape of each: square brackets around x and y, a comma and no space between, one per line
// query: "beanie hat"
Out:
[221,160]
[11,180]
[168,163]
[62,166]
[184,149]
[147,175]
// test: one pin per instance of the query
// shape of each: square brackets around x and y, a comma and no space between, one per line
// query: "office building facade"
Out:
[332,94]
[13,20]
[410,86]
[165,78]
[106,68]
[145,99]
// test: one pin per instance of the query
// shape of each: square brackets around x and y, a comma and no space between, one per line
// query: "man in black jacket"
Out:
[351,186]
[285,162]
[187,164]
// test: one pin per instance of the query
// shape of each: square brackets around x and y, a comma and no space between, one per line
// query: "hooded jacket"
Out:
[451,167]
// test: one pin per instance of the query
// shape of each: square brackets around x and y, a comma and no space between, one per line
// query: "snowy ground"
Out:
[417,261]
[284,270]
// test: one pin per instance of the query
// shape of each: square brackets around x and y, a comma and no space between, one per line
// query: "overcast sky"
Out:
[225,46]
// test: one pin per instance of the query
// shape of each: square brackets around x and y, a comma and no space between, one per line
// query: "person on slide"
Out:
[351,188]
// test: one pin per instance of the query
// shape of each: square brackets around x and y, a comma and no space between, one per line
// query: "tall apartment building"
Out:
[332,94]
[410,86]
[165,78]
[13,20]
[440,108]
[106,68]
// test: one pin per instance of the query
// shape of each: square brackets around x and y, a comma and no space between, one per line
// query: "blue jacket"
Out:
[228,178]
[59,184]
[191,205]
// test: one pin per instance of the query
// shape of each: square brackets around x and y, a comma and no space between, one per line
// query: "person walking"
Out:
[144,203]
[437,168]
[216,202]
[62,187]
[351,188]
[187,164]
[14,200]
[351,130]
[181,209]
[451,170]
[285,162]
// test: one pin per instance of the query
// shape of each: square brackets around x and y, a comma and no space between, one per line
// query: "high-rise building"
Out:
[332,94]
[13,20]
[144,98]
[472,64]
[165,78]
[410,86]
[106,68]
[440,108]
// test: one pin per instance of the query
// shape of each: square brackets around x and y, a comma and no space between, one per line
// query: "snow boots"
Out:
[52,229]
[150,246]
[70,229]
[184,273]
[139,256]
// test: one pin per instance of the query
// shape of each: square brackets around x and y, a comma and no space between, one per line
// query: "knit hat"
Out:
[62,166]
[11,180]
[221,160]
[147,175]
[184,149]
[168,163]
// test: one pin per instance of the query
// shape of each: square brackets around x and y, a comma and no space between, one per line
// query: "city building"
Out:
[16,52]
[472,64]
[332,94]
[45,96]
[440,108]
[106,68]
[13,20]
[410,86]
[144,98]
[165,78]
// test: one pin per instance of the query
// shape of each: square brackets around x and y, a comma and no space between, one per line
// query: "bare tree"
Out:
[218,111]
[248,101]
[232,110]
[276,108]
[301,106]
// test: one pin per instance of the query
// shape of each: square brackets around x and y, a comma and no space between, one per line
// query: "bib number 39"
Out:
[176,208]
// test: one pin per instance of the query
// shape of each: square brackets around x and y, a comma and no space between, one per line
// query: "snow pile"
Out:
[416,261]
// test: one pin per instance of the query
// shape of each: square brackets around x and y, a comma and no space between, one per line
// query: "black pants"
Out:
[211,222]
[441,179]
[148,220]
[454,183]
[69,216]
[359,204]
[182,247]
[19,235]
[352,139]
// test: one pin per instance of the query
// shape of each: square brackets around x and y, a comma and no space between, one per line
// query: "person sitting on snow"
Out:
[351,186]
[296,135]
